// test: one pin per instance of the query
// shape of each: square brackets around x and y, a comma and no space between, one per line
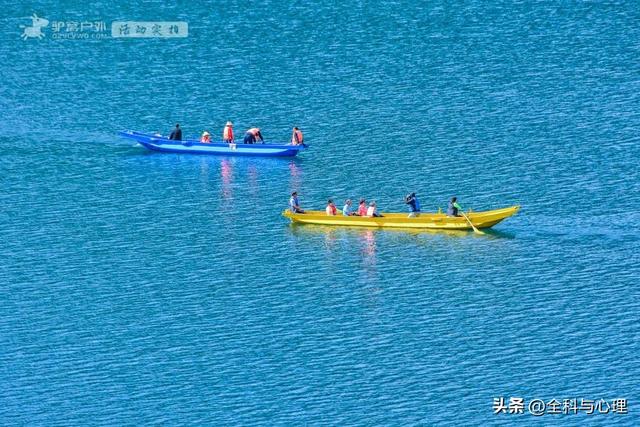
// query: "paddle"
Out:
[475,229]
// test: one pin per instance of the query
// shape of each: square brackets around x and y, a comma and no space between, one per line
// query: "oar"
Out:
[475,229]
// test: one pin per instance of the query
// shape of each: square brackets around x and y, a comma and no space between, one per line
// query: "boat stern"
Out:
[288,214]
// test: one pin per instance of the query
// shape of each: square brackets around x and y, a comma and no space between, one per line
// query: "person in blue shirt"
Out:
[453,208]
[347,210]
[414,205]
[294,204]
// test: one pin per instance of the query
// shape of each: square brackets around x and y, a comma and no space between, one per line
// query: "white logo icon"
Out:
[35,31]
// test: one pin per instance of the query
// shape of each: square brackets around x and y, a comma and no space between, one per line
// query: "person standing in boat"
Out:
[414,205]
[453,208]
[331,208]
[296,137]
[294,204]
[252,136]
[176,134]
[227,133]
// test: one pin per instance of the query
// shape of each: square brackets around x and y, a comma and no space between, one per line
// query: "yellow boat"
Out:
[426,220]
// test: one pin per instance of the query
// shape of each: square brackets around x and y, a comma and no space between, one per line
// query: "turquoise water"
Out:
[140,288]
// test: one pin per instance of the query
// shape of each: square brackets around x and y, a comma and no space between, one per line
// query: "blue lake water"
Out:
[140,288]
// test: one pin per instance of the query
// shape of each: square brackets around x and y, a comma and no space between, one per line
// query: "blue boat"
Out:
[156,142]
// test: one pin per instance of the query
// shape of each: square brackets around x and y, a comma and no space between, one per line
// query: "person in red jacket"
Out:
[227,133]
[331,208]
[296,137]
[362,208]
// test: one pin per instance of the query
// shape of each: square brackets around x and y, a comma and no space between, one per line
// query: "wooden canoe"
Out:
[426,220]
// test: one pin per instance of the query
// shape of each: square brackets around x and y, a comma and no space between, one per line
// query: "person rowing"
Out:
[414,205]
[453,208]
[252,136]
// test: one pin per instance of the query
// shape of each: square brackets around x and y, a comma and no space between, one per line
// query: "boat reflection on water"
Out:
[300,229]
[368,248]
[204,171]
[337,240]
[226,173]
[371,285]
[296,175]
[252,170]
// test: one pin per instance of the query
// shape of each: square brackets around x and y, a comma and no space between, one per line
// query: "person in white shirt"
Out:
[371,211]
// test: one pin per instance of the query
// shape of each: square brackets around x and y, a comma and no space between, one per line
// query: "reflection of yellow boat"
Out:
[483,219]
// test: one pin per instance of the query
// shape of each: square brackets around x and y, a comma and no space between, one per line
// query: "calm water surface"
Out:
[141,288]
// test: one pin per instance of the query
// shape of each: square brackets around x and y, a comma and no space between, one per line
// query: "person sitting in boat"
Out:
[296,137]
[206,137]
[176,134]
[372,211]
[414,205]
[252,136]
[227,133]
[331,208]
[347,210]
[453,207]
[362,208]
[294,204]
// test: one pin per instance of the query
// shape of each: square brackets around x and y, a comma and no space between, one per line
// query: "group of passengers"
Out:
[411,200]
[251,136]
[347,210]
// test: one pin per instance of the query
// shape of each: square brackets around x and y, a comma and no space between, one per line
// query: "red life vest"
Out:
[297,137]
[362,209]
[332,210]
[227,133]
[205,139]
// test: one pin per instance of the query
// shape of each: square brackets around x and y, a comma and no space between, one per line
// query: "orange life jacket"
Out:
[227,134]
[297,137]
